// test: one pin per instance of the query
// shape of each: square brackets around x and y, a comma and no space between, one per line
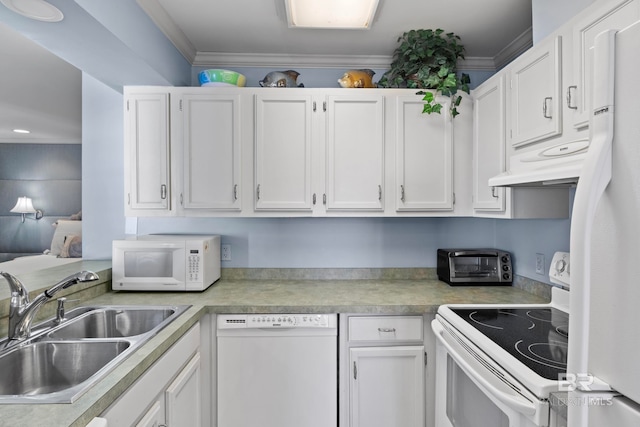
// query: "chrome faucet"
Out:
[22,312]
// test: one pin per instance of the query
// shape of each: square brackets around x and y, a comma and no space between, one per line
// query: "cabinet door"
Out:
[210,152]
[614,15]
[182,397]
[536,109]
[283,152]
[387,386]
[154,416]
[489,149]
[147,151]
[424,157]
[355,152]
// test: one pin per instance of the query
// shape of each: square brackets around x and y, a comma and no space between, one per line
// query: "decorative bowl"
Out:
[215,77]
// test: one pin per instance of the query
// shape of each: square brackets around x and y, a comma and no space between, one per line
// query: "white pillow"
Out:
[64,228]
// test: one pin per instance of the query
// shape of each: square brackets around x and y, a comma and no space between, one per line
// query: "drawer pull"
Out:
[387,330]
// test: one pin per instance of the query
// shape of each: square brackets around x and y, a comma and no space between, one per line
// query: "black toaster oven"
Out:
[474,267]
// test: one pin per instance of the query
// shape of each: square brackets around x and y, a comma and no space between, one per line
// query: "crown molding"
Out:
[514,49]
[222,59]
[291,60]
[164,22]
[477,63]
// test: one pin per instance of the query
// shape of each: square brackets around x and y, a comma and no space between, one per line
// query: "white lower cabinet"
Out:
[182,397]
[387,386]
[384,358]
[154,417]
[168,393]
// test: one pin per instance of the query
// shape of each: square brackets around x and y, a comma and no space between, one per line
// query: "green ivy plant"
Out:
[427,59]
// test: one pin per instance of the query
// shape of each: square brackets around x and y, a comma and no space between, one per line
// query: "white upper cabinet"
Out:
[489,159]
[147,151]
[317,150]
[355,152]
[489,147]
[617,15]
[210,138]
[536,107]
[424,156]
[283,137]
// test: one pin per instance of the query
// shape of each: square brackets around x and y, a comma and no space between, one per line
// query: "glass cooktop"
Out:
[537,337]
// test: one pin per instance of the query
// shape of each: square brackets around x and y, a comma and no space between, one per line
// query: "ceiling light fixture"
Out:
[39,10]
[21,131]
[337,14]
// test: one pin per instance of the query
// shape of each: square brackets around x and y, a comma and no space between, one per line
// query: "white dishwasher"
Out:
[277,370]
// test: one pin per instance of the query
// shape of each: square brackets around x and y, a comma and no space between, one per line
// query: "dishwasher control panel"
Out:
[279,320]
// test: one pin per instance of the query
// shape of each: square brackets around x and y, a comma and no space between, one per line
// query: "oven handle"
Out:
[523,405]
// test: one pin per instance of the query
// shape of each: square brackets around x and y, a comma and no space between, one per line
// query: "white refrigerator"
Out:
[603,366]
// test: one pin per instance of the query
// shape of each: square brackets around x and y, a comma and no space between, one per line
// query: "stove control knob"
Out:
[561,265]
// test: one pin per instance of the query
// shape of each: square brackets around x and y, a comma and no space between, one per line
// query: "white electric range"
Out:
[499,366]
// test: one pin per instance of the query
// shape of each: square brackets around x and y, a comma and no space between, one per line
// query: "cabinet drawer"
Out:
[385,328]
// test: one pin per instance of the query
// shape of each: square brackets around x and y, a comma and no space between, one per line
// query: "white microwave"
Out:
[165,262]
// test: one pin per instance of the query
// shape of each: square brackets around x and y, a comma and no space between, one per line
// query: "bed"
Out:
[65,248]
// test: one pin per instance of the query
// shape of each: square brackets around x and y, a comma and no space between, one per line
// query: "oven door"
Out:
[473,391]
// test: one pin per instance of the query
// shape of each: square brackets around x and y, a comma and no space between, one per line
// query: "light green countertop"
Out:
[239,293]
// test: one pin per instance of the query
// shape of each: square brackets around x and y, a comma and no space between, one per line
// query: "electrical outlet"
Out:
[225,252]
[540,263]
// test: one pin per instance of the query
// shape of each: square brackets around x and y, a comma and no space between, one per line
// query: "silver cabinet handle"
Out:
[545,107]
[324,106]
[235,192]
[387,330]
[569,97]
[258,192]
[402,193]
[324,199]
[493,192]
[314,106]
[355,371]
[314,199]
[379,192]
[163,191]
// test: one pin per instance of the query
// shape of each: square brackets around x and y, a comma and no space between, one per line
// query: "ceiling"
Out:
[43,93]
[40,92]
[255,32]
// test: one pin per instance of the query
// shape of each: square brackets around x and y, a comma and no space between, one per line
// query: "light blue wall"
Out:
[370,242]
[549,15]
[303,242]
[102,168]
[322,77]
[333,242]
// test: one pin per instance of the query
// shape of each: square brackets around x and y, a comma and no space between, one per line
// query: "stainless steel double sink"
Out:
[59,362]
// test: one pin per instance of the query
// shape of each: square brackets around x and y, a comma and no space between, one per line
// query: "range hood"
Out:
[556,165]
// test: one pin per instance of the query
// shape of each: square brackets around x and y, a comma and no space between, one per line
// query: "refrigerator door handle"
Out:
[594,178]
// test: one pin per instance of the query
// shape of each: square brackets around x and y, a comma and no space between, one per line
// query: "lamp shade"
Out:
[23,205]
